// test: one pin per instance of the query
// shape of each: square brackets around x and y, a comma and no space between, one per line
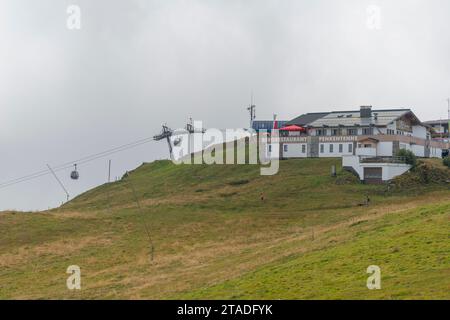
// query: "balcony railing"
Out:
[365,159]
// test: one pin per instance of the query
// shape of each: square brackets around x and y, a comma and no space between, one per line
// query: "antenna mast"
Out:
[252,109]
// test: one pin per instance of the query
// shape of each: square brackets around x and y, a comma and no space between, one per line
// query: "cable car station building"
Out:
[365,133]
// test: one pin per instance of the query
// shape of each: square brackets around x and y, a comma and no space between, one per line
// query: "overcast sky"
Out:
[133,65]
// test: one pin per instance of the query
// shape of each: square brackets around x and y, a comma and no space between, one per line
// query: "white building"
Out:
[440,128]
[367,140]
[367,132]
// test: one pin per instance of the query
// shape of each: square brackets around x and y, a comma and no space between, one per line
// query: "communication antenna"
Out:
[166,133]
[252,109]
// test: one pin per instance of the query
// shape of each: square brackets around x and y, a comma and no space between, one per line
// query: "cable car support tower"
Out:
[166,133]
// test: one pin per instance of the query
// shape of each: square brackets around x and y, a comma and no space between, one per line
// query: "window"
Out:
[285,147]
[303,148]
[367,131]
[351,132]
[390,132]
[270,148]
[341,148]
[319,132]
[350,148]
[322,148]
[331,148]
[334,132]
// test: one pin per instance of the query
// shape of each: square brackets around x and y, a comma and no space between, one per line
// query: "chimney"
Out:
[366,112]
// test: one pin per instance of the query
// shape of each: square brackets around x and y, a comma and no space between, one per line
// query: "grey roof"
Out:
[307,118]
[353,118]
[443,122]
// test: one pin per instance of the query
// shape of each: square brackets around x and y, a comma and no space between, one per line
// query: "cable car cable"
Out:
[79,161]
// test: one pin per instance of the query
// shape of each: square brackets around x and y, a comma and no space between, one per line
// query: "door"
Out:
[373,175]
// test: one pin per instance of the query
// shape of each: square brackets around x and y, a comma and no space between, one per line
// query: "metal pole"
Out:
[448,117]
[109,171]
[251,108]
[152,248]
[59,181]
[170,146]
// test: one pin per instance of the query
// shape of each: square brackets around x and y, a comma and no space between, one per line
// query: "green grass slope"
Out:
[214,237]
[409,247]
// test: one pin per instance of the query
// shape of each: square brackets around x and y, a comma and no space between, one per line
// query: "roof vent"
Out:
[366,112]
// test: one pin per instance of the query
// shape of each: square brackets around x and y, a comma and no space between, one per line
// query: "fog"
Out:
[134,65]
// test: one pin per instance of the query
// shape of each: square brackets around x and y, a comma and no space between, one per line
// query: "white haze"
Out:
[134,65]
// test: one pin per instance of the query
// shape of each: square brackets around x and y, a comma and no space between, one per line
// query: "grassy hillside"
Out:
[214,237]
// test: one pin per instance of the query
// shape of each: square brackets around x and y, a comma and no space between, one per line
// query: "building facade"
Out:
[440,128]
[365,132]
[267,125]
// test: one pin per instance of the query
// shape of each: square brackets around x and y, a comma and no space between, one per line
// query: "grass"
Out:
[410,269]
[215,238]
